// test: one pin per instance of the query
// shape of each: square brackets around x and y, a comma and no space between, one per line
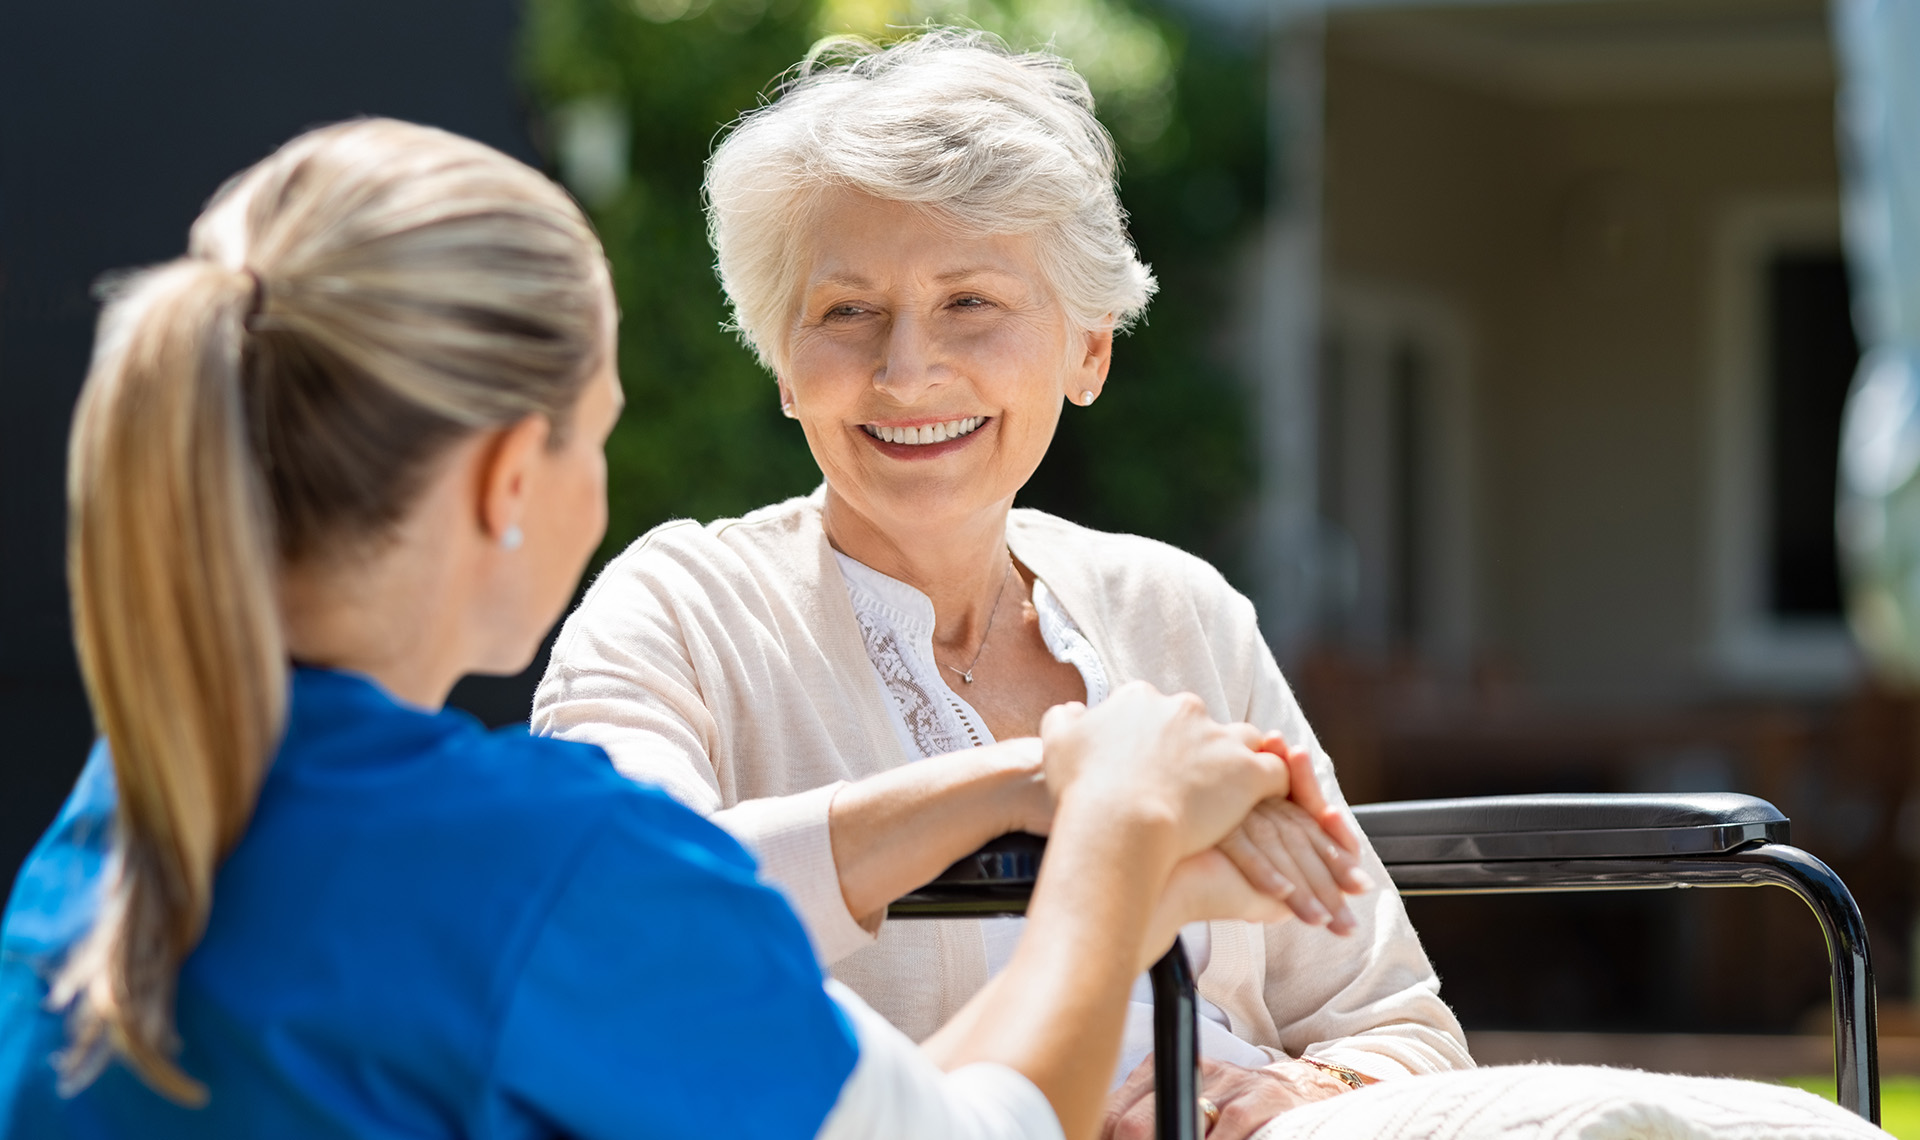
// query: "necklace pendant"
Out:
[967,676]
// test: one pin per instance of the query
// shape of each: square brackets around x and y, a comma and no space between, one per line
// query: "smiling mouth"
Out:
[926,433]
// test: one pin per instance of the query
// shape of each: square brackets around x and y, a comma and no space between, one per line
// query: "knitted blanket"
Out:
[1570,1102]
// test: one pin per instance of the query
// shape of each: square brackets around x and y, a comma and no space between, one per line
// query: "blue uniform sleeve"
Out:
[56,892]
[671,993]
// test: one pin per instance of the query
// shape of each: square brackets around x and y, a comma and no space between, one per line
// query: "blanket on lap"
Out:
[1570,1102]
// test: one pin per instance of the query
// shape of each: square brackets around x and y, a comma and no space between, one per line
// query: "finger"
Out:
[1244,1116]
[1297,835]
[1347,872]
[1136,1122]
[1307,792]
[1254,864]
[1267,833]
[1061,717]
[1212,887]
[1139,1083]
[1275,744]
[1252,738]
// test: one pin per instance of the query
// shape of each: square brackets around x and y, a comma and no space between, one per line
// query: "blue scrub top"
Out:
[433,930]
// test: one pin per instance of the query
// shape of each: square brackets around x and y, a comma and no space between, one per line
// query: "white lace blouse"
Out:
[931,719]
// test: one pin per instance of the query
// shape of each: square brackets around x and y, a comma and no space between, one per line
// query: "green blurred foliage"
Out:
[1899,1101]
[1166,452]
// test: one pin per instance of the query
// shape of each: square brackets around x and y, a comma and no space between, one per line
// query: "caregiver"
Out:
[358,428]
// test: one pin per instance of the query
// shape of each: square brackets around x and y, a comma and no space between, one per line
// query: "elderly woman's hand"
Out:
[1245,1098]
[1295,846]
[1301,849]
[1161,758]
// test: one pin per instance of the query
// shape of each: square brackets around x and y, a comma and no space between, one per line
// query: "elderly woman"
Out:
[925,247]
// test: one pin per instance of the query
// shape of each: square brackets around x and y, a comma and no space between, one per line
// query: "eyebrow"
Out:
[839,281]
[855,281]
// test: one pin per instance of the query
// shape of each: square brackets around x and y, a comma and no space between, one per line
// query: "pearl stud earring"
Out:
[786,409]
[1086,397]
[512,537]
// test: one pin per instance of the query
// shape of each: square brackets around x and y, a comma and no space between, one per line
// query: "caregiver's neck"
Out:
[958,563]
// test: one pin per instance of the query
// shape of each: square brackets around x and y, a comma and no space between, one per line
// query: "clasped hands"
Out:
[1259,840]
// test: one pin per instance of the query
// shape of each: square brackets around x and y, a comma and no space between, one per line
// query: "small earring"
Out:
[1086,397]
[786,409]
[512,537]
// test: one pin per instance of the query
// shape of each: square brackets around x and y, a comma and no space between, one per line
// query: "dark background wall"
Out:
[118,118]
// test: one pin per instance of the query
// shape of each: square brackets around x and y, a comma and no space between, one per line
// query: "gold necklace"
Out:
[967,673]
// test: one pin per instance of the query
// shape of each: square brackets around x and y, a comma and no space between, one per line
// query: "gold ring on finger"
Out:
[1210,1114]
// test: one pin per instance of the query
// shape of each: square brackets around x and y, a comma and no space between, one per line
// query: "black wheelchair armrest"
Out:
[993,880]
[1597,826]
[1498,844]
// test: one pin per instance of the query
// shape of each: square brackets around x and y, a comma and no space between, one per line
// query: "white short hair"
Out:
[991,141]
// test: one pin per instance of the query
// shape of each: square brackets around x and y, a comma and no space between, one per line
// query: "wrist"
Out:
[1336,1077]
[1146,837]
[1021,799]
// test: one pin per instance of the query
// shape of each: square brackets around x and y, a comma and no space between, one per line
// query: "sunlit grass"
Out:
[1899,1101]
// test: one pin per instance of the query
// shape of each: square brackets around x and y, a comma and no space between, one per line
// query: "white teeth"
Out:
[931,433]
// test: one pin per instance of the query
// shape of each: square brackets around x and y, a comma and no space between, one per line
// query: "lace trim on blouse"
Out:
[896,622]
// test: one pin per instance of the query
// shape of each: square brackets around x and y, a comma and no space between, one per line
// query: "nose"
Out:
[911,362]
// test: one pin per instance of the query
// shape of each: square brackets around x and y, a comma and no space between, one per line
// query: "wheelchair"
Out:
[1504,845]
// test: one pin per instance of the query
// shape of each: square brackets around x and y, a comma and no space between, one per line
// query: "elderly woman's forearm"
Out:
[897,830]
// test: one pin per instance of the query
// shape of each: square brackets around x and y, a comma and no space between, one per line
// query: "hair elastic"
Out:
[258,302]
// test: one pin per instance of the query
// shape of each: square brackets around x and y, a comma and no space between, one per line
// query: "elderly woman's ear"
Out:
[1091,373]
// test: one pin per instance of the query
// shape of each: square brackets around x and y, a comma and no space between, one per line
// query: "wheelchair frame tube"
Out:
[1856,1042]
[1176,1047]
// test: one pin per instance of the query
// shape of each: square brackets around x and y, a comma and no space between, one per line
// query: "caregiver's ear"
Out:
[509,465]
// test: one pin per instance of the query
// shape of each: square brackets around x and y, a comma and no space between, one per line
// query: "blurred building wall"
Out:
[1558,257]
[1549,459]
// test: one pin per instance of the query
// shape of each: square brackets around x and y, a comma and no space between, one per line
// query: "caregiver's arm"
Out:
[1146,783]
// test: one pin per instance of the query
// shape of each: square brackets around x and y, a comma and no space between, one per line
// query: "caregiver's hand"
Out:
[1204,887]
[1247,1098]
[1301,849]
[1152,756]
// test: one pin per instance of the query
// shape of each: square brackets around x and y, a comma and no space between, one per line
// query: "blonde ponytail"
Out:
[171,563]
[349,308]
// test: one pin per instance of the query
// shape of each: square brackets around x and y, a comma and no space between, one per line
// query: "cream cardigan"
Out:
[724,664]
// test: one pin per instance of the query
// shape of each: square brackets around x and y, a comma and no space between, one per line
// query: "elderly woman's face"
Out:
[928,369]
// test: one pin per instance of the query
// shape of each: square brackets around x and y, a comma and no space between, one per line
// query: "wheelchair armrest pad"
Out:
[1011,859]
[1598,826]
[993,880]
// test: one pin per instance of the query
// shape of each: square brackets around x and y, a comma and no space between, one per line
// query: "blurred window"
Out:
[1782,357]
[1394,462]
[1811,356]
[1410,469]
